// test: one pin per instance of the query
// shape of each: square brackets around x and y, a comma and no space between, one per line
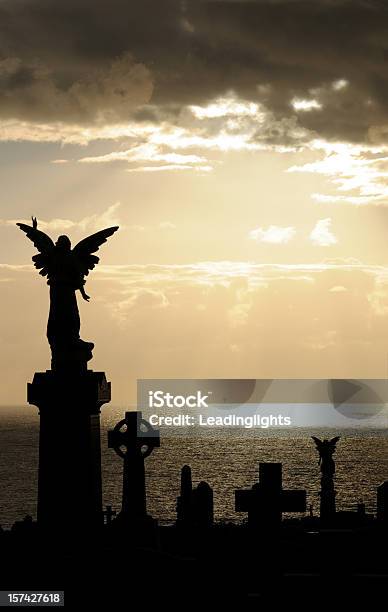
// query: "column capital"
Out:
[86,389]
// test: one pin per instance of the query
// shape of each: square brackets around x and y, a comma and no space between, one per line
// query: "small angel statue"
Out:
[326,450]
[66,269]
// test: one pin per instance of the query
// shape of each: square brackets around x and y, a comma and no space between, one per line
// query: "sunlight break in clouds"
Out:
[223,107]
[358,172]
[73,133]
[322,235]
[274,234]
[227,124]
[146,152]
[169,167]
[305,105]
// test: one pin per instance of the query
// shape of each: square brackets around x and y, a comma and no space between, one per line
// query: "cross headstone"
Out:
[267,499]
[133,439]
[109,513]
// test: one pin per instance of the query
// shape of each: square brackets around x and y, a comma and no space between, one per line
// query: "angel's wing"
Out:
[41,241]
[317,441]
[84,249]
[334,441]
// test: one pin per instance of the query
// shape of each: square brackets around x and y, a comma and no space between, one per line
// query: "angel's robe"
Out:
[63,326]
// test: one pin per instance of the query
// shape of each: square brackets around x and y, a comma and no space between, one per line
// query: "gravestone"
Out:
[183,505]
[267,500]
[133,439]
[382,502]
[194,506]
[202,505]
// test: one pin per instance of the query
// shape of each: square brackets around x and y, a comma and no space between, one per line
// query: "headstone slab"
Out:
[382,502]
[183,502]
[202,513]
[195,506]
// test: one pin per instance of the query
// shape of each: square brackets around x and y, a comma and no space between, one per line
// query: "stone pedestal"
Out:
[327,502]
[69,484]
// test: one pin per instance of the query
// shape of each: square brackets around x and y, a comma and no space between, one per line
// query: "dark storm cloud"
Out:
[82,61]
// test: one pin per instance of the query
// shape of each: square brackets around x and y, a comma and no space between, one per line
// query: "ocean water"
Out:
[226,459]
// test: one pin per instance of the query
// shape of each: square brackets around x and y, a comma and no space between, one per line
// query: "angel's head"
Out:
[63,243]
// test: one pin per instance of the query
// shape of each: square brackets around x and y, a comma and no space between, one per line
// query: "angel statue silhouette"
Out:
[326,450]
[66,269]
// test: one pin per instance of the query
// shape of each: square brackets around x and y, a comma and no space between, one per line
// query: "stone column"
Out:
[69,484]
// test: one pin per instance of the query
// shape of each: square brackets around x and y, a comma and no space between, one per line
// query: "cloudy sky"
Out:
[242,147]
